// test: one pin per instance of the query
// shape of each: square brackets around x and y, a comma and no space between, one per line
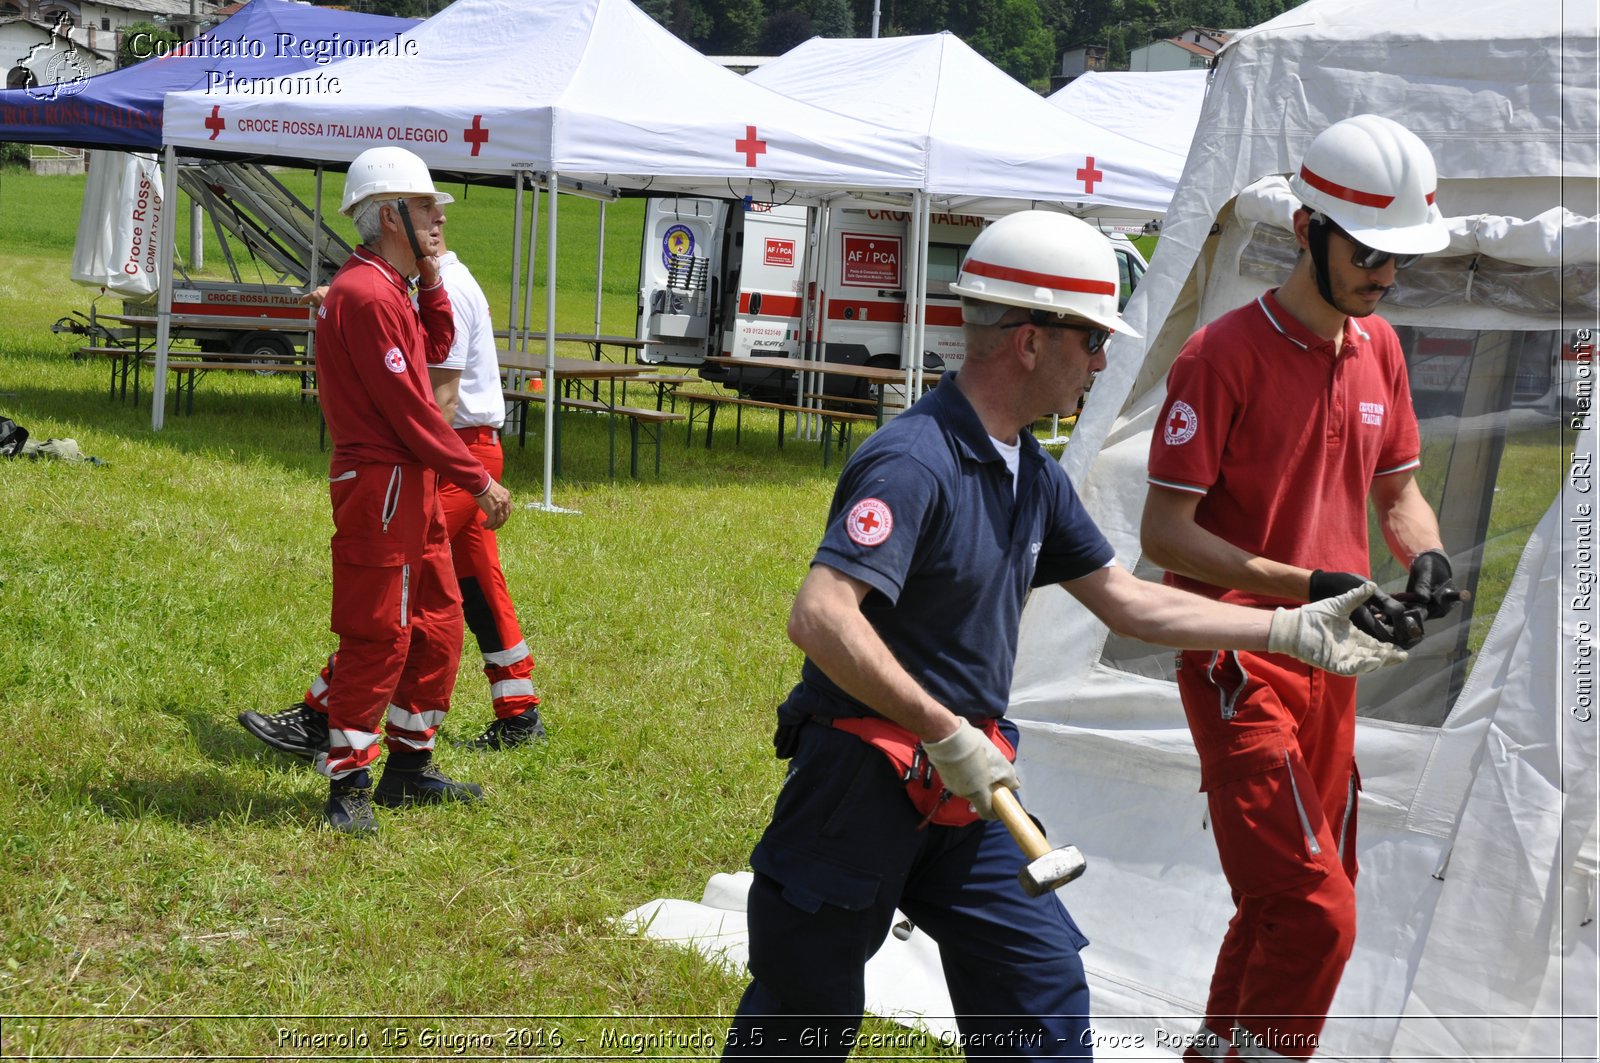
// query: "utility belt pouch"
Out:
[923,785]
[786,740]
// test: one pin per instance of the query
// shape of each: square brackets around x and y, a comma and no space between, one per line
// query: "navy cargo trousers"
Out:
[844,850]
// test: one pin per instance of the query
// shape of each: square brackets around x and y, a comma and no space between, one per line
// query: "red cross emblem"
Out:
[750,147]
[476,135]
[869,522]
[1089,175]
[1181,424]
[215,122]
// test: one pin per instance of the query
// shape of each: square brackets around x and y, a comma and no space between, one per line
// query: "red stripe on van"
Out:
[772,305]
[890,313]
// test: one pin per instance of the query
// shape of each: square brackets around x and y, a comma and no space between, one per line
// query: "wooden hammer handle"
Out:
[1029,838]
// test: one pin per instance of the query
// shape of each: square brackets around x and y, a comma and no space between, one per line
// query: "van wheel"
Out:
[263,347]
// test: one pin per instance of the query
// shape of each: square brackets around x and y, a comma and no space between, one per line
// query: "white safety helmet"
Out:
[1044,260]
[1375,179]
[388,172]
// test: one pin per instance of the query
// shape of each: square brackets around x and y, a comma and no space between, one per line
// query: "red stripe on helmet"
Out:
[1042,280]
[1349,195]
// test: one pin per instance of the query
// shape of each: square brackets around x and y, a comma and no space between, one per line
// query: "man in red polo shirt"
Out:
[1283,418]
[396,607]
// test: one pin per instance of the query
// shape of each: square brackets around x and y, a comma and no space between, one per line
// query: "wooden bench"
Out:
[121,359]
[185,368]
[643,425]
[666,385]
[847,400]
[832,420]
[309,394]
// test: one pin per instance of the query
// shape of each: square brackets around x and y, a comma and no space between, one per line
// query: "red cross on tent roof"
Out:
[475,135]
[1089,175]
[750,147]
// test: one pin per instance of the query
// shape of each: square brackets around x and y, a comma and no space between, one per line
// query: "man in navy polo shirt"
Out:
[941,523]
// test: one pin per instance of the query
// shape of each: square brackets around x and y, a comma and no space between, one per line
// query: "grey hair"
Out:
[369,223]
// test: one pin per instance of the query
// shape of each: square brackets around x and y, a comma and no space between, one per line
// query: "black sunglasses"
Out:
[1094,336]
[1364,257]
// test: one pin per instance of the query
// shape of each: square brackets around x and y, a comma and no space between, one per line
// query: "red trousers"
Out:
[1276,740]
[485,599]
[397,613]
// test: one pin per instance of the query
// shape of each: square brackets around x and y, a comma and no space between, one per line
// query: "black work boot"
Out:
[349,807]
[299,730]
[509,732]
[412,779]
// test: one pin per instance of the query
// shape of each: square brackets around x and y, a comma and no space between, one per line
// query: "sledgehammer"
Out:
[1047,869]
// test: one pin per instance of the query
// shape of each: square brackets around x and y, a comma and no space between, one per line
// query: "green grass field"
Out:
[165,880]
[158,863]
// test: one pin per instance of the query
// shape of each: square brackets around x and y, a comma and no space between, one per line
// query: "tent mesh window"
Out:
[1496,409]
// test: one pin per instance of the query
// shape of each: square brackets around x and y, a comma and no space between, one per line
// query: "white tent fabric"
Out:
[1477,937]
[1489,812]
[589,88]
[988,136]
[1158,108]
[119,225]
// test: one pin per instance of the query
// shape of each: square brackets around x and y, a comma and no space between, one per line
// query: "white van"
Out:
[717,277]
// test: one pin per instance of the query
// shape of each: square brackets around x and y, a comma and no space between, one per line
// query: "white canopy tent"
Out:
[593,89]
[1477,937]
[1478,808]
[993,145]
[1159,109]
[988,136]
[580,93]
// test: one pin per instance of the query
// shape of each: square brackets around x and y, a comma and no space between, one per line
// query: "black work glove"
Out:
[1382,617]
[1431,585]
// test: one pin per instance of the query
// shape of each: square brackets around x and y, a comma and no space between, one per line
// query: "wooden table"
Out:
[598,343]
[130,357]
[518,366]
[294,326]
[221,321]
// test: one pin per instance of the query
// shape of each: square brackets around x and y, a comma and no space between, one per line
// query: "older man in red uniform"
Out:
[396,607]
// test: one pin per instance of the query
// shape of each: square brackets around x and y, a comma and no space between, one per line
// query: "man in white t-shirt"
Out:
[466,386]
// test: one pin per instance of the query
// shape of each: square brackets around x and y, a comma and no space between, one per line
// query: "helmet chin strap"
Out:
[1317,243]
[416,248]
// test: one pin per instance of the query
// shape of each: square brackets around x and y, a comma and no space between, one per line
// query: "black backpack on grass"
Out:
[12,436]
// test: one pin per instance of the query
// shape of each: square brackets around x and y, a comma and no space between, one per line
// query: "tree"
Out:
[735,27]
[830,18]
[142,40]
[1012,36]
[784,30]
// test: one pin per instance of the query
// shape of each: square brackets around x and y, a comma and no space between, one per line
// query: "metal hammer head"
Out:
[1052,870]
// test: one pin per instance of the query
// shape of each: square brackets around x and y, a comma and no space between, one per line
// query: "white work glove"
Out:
[1322,635]
[971,767]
